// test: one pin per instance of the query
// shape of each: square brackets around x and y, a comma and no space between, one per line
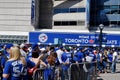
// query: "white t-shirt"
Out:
[115,56]
[89,59]
[59,55]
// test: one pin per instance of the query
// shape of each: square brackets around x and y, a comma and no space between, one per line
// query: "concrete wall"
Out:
[15,15]
[79,16]
[44,14]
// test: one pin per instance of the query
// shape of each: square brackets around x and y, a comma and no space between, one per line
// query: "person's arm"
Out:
[6,71]
[43,63]
[40,56]
[38,61]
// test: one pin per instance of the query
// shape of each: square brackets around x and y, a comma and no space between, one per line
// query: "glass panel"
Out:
[65,10]
[65,23]
[73,9]
[81,9]
[57,23]
[114,7]
[57,10]
[73,22]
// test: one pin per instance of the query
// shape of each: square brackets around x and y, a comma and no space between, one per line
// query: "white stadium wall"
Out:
[15,15]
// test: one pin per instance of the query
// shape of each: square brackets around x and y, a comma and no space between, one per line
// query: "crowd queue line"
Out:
[19,61]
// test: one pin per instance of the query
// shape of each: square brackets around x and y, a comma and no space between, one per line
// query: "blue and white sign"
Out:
[84,39]
[43,37]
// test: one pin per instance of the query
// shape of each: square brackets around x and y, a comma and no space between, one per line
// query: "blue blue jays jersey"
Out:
[93,55]
[66,58]
[3,60]
[16,70]
[110,57]
[78,57]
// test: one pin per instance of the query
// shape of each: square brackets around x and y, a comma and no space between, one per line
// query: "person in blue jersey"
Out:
[49,72]
[79,56]
[66,57]
[110,58]
[91,54]
[3,59]
[7,50]
[99,62]
[16,67]
[78,59]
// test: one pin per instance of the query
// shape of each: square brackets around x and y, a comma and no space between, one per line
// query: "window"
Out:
[57,23]
[73,22]
[73,9]
[65,23]
[64,10]
[69,10]
[104,13]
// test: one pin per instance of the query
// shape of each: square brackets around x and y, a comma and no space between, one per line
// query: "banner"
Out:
[84,39]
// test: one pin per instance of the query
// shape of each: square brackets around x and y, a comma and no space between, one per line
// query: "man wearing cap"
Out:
[79,56]
[24,50]
[7,50]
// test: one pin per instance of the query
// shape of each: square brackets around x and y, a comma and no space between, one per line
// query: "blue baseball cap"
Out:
[8,46]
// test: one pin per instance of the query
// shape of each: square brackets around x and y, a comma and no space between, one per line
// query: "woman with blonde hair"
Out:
[16,66]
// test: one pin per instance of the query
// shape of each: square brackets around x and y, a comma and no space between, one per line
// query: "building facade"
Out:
[24,16]
[79,14]
[105,12]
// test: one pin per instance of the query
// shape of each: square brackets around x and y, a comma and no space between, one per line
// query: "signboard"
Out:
[83,39]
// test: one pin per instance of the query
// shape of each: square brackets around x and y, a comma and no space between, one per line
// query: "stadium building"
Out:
[81,17]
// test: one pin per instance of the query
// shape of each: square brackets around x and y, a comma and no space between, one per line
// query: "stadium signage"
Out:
[85,39]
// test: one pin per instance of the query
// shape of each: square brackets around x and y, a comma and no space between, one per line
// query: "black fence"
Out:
[83,71]
[80,71]
[38,74]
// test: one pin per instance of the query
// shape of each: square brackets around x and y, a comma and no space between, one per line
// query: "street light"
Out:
[101,26]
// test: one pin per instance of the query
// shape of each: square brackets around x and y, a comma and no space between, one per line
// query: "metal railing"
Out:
[38,74]
[83,71]
[80,71]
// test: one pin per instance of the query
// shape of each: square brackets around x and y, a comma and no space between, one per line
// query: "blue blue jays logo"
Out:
[43,37]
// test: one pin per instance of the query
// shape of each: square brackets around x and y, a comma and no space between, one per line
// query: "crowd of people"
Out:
[17,62]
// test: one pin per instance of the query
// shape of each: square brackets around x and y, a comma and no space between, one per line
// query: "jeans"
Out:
[113,66]
[100,65]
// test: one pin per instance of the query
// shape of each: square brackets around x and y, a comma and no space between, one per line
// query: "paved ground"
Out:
[110,76]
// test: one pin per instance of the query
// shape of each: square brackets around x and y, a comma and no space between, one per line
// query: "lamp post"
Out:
[101,26]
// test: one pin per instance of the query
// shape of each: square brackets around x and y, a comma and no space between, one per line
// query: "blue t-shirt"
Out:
[92,55]
[17,70]
[3,60]
[64,57]
[110,57]
[78,57]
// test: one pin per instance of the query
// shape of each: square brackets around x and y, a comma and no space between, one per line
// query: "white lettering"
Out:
[92,37]
[111,41]
[87,37]
[69,40]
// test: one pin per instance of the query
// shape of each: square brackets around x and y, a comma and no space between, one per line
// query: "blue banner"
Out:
[84,39]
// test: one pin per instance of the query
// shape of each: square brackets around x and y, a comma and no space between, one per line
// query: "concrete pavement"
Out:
[109,75]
